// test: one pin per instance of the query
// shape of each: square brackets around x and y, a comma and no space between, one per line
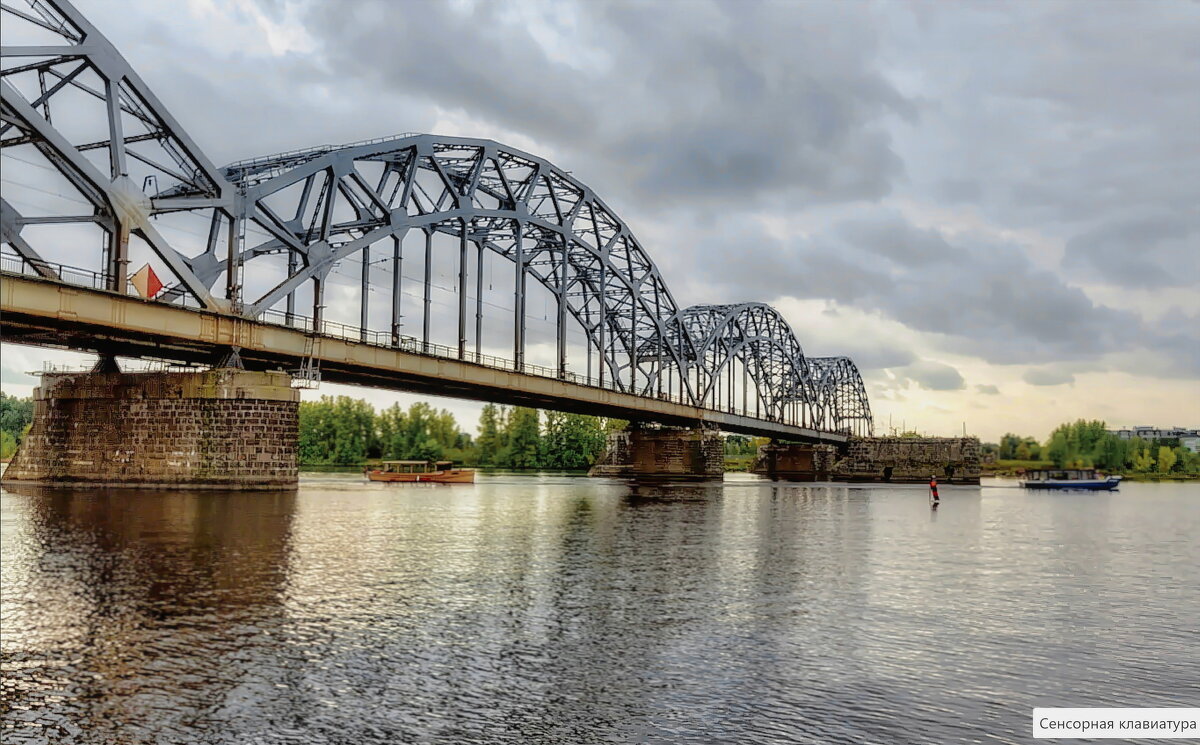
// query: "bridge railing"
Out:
[14,264]
[441,351]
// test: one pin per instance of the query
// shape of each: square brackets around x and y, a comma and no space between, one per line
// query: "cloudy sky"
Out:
[994,208]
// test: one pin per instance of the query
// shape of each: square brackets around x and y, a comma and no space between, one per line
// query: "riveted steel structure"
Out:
[259,239]
[843,397]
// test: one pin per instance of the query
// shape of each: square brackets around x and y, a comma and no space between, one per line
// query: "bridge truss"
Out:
[260,238]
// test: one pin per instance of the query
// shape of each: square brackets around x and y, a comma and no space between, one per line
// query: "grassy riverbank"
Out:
[738,463]
[1014,468]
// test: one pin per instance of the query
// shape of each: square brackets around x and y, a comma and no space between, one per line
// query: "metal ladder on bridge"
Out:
[309,374]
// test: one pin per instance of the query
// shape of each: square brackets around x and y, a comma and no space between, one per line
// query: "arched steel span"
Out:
[327,204]
[753,341]
[842,395]
[320,206]
[100,151]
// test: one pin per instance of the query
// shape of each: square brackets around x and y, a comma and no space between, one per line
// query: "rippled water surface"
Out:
[569,610]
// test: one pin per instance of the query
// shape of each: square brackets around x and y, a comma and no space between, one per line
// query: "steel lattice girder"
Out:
[137,129]
[510,202]
[757,336]
[322,205]
[842,394]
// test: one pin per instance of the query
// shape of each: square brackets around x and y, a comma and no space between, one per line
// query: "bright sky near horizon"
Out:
[993,208]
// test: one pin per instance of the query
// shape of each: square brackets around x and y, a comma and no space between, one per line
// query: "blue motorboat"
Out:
[1070,478]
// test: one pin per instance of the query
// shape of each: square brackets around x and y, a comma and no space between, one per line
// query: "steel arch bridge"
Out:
[262,238]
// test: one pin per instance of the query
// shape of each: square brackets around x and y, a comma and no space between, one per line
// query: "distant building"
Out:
[1156,433]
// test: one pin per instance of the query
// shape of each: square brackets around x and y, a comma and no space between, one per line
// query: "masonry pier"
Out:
[663,453]
[795,462]
[953,460]
[224,428]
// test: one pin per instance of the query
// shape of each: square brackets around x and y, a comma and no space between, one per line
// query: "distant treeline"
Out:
[1088,444]
[349,431]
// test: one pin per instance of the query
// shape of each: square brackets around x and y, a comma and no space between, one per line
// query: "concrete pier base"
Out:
[667,453]
[795,462]
[954,460]
[223,428]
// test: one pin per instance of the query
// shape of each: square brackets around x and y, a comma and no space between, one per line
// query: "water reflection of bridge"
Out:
[361,613]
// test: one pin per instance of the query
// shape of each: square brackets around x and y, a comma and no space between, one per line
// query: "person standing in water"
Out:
[933,494]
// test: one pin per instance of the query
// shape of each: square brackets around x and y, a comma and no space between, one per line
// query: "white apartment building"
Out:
[1188,438]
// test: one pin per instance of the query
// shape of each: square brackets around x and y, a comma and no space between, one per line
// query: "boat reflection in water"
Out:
[412,471]
[1070,478]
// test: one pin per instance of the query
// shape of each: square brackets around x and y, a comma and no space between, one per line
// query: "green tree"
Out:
[1080,443]
[1058,449]
[422,433]
[554,441]
[1166,459]
[392,424]
[337,431]
[571,441]
[354,431]
[1189,462]
[614,425]
[16,414]
[524,438]
[315,446]
[8,445]
[1008,446]
[488,444]
[741,445]
[1112,453]
[1143,460]
[1181,459]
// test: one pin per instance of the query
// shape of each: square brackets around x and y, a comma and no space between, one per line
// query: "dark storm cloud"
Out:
[1177,336]
[870,356]
[1158,249]
[986,298]
[934,376]
[242,103]
[683,102]
[474,61]
[1083,125]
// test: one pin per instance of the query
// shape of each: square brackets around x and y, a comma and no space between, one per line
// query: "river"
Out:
[558,609]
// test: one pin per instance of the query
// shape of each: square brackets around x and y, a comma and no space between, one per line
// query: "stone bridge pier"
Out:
[224,428]
[663,453]
[953,460]
[795,462]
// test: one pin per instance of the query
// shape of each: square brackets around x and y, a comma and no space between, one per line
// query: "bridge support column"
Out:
[795,462]
[666,453]
[222,428]
[954,460]
[898,460]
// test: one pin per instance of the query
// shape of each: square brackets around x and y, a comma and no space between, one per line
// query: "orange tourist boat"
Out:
[412,471]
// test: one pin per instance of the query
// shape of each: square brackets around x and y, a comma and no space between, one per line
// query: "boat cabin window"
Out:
[1066,474]
[406,466]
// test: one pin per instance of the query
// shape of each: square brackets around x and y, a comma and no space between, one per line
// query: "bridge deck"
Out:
[43,312]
